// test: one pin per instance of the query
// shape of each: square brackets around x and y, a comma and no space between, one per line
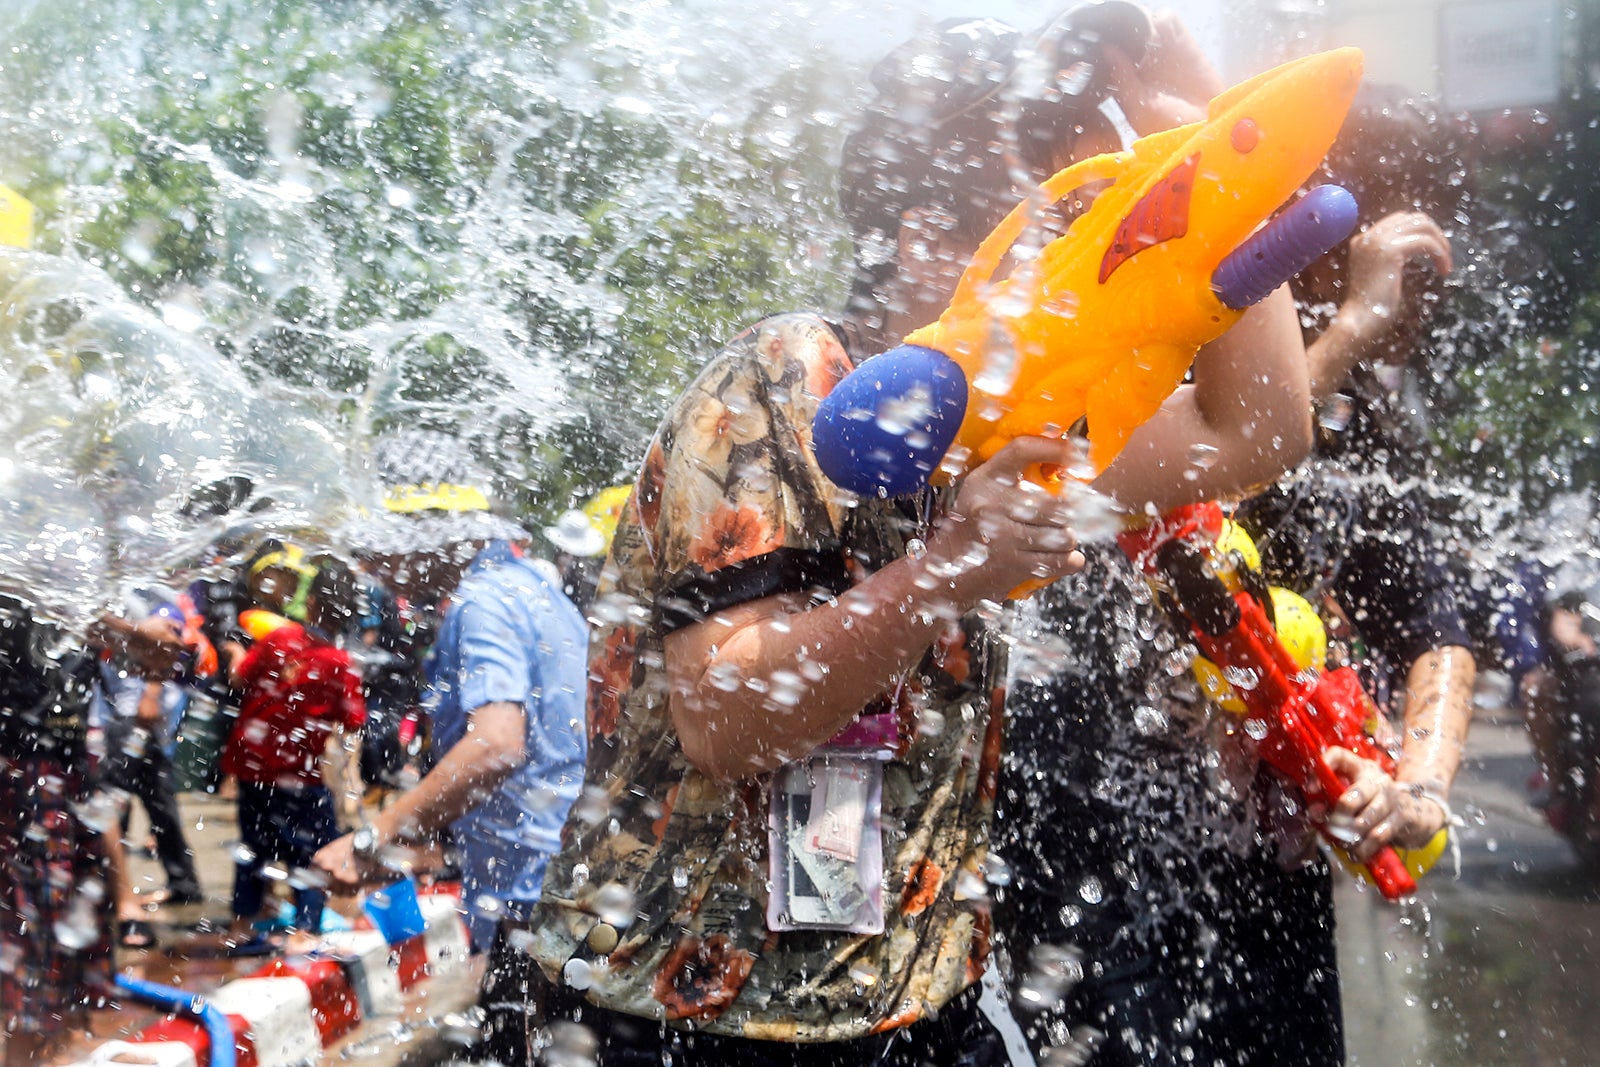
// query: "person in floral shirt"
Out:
[781,666]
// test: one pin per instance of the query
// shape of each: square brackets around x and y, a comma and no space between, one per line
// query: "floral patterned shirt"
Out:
[656,904]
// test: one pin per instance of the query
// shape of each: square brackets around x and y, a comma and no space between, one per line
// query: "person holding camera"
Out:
[794,693]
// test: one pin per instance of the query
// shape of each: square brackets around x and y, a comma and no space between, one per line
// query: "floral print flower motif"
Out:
[610,675]
[828,368]
[658,828]
[982,942]
[647,494]
[922,887]
[700,978]
[731,535]
[721,422]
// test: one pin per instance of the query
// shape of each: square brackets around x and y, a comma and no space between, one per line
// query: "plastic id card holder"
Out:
[826,845]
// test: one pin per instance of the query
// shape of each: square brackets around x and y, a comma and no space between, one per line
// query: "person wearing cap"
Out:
[794,693]
[299,689]
[504,692]
[581,536]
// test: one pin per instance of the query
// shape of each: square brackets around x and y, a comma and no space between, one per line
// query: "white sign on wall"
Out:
[1499,53]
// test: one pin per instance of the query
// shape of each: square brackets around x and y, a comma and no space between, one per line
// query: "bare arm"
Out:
[1002,532]
[1374,294]
[1245,419]
[490,751]
[154,644]
[1438,712]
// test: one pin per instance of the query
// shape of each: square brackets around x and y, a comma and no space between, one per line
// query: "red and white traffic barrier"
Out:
[287,1012]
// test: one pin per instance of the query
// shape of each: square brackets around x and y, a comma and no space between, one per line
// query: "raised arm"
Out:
[1245,419]
[1374,298]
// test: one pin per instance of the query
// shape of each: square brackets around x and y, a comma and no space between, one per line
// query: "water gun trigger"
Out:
[1049,476]
[1052,476]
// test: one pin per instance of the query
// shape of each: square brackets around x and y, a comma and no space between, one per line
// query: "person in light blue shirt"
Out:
[510,636]
[505,691]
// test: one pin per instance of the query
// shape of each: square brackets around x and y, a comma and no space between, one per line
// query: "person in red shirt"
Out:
[299,688]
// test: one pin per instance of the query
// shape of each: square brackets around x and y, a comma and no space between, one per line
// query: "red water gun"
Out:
[1294,715]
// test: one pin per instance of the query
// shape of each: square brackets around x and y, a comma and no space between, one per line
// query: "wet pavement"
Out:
[1494,966]
[187,957]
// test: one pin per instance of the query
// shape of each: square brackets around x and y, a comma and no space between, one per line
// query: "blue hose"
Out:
[1285,246]
[216,1023]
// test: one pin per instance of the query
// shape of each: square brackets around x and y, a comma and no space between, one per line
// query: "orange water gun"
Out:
[1293,712]
[1098,329]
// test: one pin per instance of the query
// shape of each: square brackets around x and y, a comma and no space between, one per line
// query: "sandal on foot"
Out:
[136,933]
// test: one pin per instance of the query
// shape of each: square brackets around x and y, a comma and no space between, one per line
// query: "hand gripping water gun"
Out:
[1100,328]
[1293,710]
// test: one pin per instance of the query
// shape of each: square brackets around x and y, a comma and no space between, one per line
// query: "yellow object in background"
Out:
[604,509]
[16,219]
[1303,636]
[435,496]
[258,622]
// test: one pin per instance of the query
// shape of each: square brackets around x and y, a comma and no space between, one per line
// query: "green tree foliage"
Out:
[497,218]
[1520,395]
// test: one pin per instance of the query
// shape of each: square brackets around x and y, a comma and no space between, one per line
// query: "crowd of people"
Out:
[767,785]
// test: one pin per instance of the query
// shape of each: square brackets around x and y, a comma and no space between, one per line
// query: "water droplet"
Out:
[1052,972]
[787,688]
[571,1045]
[864,974]
[911,410]
[614,904]
[577,974]
[1243,679]
[1149,721]
[1090,890]
[970,885]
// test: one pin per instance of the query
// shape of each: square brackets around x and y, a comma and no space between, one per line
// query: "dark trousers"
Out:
[136,764]
[522,1008]
[284,827]
[1246,975]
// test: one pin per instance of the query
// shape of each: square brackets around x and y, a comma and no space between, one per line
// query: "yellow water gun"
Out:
[1098,329]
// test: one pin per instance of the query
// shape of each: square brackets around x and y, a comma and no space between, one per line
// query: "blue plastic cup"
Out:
[395,911]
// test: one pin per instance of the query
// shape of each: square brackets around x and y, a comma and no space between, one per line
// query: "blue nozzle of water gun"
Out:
[885,428]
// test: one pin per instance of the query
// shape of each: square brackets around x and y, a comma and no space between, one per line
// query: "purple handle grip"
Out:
[1285,246]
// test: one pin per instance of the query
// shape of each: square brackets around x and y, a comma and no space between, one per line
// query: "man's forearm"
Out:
[1438,713]
[475,766]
